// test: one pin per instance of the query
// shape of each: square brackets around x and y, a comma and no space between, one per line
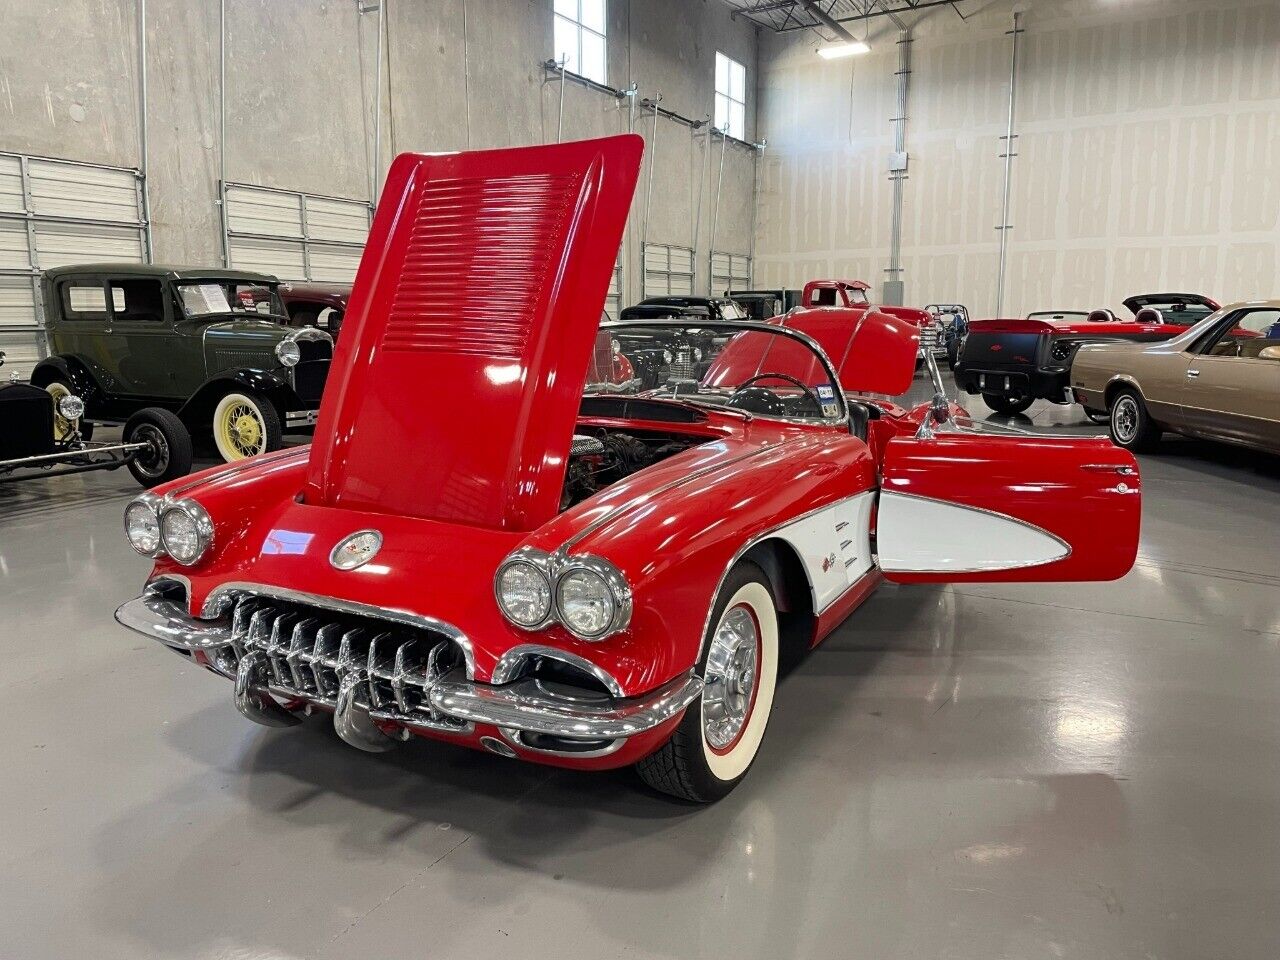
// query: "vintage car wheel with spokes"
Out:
[244,425]
[718,739]
[1131,424]
[168,453]
[64,429]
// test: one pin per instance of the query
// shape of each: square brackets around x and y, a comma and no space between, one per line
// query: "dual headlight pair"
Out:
[180,528]
[588,596]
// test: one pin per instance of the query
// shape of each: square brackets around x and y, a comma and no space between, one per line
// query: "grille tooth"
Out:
[310,650]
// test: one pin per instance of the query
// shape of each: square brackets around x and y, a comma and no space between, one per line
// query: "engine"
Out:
[603,457]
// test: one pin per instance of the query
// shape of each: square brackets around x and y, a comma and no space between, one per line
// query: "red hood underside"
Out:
[464,353]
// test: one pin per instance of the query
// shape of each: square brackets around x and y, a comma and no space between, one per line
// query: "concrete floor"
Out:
[980,772]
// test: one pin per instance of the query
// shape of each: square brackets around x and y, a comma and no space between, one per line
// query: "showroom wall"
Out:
[1147,154]
[301,75]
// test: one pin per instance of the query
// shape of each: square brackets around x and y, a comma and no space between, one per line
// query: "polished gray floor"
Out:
[1079,771]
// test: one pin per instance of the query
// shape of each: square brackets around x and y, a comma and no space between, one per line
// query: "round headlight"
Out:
[186,531]
[667,356]
[585,603]
[70,407]
[697,354]
[142,527]
[523,593]
[288,352]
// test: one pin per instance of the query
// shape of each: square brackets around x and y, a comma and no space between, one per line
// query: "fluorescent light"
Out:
[844,50]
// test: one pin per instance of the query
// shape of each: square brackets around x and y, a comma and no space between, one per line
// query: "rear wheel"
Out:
[168,452]
[64,429]
[244,425]
[1007,405]
[719,736]
[1131,424]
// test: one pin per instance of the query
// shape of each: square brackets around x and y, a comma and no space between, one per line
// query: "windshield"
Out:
[1058,315]
[1179,311]
[207,298]
[732,311]
[768,373]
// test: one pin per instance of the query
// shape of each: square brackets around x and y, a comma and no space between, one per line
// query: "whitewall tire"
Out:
[245,425]
[719,737]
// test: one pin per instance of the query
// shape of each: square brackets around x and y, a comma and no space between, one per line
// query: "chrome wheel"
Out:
[732,668]
[153,461]
[1124,419]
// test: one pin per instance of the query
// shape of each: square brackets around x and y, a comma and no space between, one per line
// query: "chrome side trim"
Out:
[509,664]
[156,616]
[222,596]
[240,467]
[525,705]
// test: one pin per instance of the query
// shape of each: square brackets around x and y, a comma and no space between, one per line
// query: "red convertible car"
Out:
[581,574]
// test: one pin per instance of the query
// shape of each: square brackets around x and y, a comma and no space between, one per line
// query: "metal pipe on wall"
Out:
[1008,155]
[899,172]
[222,130]
[564,60]
[143,147]
[715,217]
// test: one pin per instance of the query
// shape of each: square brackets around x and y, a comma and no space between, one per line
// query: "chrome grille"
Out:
[310,651]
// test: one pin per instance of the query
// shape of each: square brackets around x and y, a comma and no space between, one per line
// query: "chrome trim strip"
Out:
[239,467]
[526,706]
[509,664]
[514,737]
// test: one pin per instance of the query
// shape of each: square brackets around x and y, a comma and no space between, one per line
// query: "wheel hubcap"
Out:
[155,459]
[243,430]
[730,679]
[1125,419]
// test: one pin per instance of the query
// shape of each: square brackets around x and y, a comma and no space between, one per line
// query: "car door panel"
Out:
[1231,397]
[973,507]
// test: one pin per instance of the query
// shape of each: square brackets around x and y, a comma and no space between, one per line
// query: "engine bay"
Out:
[599,457]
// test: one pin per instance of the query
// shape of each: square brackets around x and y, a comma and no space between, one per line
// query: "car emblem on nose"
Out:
[996,348]
[356,550]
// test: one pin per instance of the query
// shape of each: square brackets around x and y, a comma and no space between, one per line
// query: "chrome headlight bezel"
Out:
[288,352]
[152,504]
[554,568]
[70,407]
[203,527]
[539,569]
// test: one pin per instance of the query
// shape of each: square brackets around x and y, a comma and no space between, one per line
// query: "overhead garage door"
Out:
[613,302]
[667,270]
[295,236]
[54,213]
[730,271]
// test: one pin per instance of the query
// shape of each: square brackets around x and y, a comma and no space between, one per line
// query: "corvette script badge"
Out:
[356,550]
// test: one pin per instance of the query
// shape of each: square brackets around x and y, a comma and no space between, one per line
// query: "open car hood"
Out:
[464,353]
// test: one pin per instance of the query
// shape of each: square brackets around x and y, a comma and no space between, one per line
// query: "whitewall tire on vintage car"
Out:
[718,739]
[244,425]
[64,429]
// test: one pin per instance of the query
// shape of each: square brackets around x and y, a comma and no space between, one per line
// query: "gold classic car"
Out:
[1219,380]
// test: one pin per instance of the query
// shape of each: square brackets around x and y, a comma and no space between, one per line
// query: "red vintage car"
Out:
[580,574]
[854,293]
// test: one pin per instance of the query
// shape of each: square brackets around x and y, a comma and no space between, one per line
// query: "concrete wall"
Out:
[457,74]
[1148,150]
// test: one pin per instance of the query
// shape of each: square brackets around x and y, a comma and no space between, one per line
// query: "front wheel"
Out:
[1007,405]
[167,455]
[719,736]
[244,425]
[1131,424]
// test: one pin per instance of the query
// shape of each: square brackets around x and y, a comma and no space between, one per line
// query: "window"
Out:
[140,301]
[729,271]
[731,97]
[579,37]
[295,236]
[84,301]
[1247,334]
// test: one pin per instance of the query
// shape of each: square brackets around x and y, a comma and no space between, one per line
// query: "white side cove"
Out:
[922,535]
[835,546]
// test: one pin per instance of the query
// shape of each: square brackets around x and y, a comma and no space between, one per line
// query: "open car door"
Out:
[974,507]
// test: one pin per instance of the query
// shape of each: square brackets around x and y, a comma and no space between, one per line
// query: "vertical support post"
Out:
[653,162]
[893,292]
[703,177]
[222,130]
[377,111]
[755,209]
[564,59]
[1009,154]
[715,216]
[148,242]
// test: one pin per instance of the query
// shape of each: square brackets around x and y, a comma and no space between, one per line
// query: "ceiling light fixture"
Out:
[838,50]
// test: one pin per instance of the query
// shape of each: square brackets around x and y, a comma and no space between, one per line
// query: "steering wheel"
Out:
[808,391]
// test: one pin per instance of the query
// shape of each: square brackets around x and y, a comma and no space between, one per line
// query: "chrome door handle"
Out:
[1192,374]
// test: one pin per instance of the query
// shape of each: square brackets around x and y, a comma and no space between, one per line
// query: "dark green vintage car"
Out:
[212,346]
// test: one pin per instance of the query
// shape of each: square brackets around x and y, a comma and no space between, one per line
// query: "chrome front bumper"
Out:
[522,706]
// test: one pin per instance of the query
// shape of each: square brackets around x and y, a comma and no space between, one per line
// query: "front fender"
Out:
[273,385]
[71,370]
